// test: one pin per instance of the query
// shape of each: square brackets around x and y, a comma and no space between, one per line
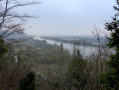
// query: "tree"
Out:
[111,78]
[11,22]
[77,72]
[62,46]
[3,48]
[28,83]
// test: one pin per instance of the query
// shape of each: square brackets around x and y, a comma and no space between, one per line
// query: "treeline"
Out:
[56,69]
[42,66]
[36,65]
[86,41]
[49,62]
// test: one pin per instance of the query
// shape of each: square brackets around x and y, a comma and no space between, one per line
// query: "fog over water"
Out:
[85,50]
[70,18]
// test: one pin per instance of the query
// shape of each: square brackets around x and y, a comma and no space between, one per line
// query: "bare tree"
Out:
[11,22]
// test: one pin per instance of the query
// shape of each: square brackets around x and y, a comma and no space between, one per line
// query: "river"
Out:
[85,50]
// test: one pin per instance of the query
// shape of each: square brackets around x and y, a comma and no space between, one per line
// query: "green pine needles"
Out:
[3,48]
[28,83]
[111,78]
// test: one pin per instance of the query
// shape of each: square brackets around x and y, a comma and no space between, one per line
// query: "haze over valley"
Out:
[59,44]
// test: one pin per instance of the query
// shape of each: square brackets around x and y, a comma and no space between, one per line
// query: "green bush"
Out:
[28,83]
[77,72]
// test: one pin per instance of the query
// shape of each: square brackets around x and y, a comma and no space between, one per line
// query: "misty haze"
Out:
[59,45]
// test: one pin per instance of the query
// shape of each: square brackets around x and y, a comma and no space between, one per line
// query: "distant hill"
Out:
[77,40]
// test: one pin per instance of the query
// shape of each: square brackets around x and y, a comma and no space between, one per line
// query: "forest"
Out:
[33,64]
[55,68]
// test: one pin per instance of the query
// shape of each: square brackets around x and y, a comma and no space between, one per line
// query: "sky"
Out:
[69,17]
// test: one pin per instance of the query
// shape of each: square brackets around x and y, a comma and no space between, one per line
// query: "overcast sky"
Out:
[69,17]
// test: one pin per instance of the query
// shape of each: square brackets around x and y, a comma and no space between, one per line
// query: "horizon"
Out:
[69,17]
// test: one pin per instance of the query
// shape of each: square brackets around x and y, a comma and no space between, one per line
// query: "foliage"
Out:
[3,48]
[49,63]
[11,30]
[28,83]
[111,78]
[77,72]
[11,76]
[3,51]
[43,53]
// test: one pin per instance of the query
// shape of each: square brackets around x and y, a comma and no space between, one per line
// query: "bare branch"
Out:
[6,6]
[12,22]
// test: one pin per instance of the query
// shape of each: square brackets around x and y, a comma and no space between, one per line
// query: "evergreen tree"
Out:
[62,46]
[79,54]
[3,48]
[28,83]
[111,78]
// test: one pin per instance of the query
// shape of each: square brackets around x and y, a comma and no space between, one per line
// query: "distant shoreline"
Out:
[86,41]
